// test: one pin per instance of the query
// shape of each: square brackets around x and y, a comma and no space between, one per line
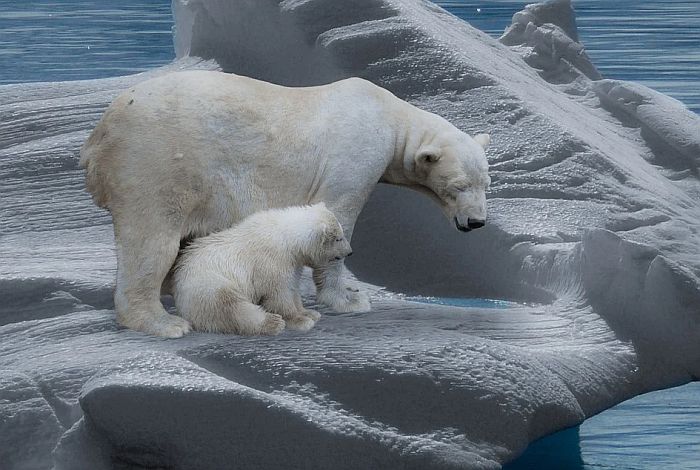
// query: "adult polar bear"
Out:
[190,153]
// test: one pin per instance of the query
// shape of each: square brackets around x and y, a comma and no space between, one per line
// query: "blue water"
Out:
[653,42]
[656,43]
[658,430]
[79,39]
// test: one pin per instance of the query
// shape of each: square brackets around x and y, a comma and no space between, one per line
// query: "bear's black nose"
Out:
[476,223]
[350,254]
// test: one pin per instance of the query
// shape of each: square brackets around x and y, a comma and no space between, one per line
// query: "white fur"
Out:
[245,279]
[191,153]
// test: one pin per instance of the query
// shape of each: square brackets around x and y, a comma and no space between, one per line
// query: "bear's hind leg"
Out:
[254,320]
[230,314]
[224,311]
[145,254]
[288,305]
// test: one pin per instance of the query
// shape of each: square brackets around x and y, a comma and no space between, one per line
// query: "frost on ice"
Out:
[594,226]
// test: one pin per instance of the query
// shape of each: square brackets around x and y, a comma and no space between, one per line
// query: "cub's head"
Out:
[452,168]
[329,242]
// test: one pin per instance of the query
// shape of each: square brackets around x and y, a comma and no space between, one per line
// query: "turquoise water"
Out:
[472,303]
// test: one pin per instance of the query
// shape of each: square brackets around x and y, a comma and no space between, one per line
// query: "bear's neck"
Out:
[410,133]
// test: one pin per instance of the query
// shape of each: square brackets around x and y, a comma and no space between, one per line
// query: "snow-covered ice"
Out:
[594,220]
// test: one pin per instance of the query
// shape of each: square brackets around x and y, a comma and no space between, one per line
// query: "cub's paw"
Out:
[273,325]
[345,299]
[313,314]
[300,323]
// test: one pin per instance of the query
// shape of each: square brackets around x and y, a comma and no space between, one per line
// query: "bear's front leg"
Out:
[290,309]
[313,314]
[335,290]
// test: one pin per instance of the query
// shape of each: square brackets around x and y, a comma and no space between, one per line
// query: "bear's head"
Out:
[329,242]
[452,168]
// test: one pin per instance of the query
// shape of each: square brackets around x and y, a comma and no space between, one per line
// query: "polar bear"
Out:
[190,153]
[245,279]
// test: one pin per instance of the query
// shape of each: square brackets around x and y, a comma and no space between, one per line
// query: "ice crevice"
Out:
[593,226]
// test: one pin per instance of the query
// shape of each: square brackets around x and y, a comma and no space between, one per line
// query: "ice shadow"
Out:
[39,298]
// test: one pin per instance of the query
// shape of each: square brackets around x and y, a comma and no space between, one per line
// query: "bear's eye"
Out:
[456,189]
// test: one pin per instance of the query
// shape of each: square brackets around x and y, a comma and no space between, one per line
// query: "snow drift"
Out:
[594,220]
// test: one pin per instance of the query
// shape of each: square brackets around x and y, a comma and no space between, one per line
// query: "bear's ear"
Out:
[482,139]
[427,155]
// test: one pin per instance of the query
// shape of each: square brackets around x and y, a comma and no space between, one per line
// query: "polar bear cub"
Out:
[245,280]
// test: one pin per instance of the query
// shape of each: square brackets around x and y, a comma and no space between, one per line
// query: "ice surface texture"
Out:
[594,214]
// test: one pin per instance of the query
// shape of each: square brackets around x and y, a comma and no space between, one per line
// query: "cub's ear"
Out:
[427,155]
[482,139]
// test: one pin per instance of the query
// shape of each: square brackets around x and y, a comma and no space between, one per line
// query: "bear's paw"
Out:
[345,299]
[274,324]
[313,314]
[300,323]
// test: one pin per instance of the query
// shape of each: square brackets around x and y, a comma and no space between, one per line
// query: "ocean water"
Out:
[655,431]
[656,43]
[653,42]
[80,39]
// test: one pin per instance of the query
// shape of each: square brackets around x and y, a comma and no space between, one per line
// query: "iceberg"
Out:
[594,228]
